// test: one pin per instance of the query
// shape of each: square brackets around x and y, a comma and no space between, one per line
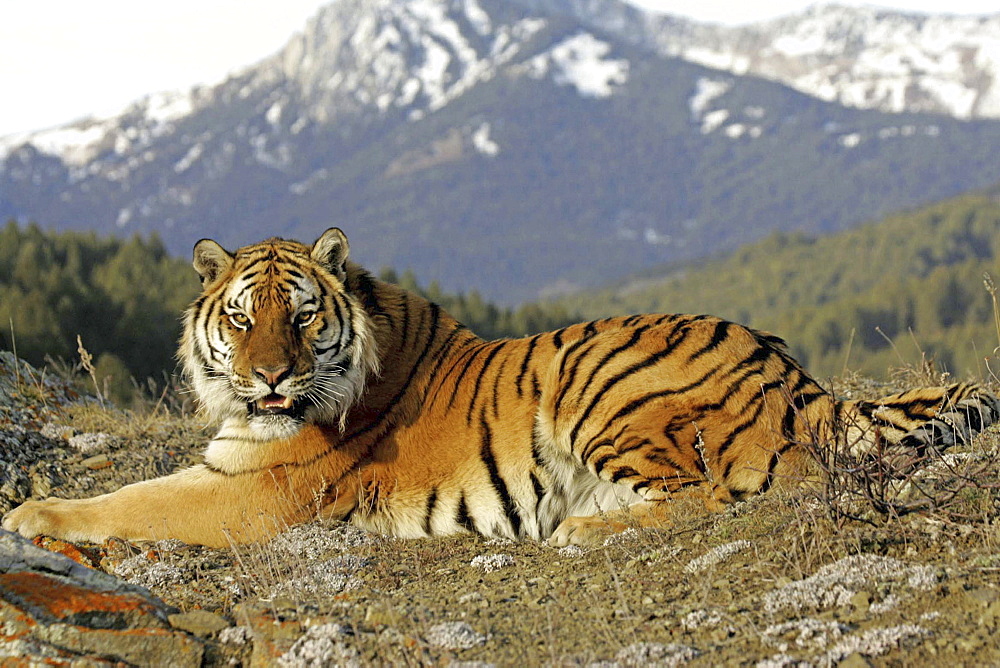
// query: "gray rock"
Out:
[51,606]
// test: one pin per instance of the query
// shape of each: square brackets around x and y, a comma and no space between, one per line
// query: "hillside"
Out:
[838,299]
[518,151]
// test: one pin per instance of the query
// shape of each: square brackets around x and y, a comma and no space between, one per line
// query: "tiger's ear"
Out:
[211,260]
[331,251]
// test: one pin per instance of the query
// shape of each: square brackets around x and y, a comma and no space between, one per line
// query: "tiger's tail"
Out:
[917,422]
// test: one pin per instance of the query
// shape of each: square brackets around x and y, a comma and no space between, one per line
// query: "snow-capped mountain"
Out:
[489,145]
[858,56]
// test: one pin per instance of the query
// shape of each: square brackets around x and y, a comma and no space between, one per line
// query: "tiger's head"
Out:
[276,340]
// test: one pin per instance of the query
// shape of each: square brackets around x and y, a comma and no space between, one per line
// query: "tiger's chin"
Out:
[276,416]
[279,417]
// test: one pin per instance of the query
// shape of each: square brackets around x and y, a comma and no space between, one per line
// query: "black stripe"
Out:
[405,333]
[338,311]
[769,476]
[638,403]
[435,315]
[636,333]
[624,472]
[439,357]
[569,351]
[479,380]
[532,342]
[364,285]
[592,444]
[250,269]
[635,404]
[496,386]
[536,454]
[474,353]
[564,385]
[718,336]
[739,429]
[973,417]
[788,422]
[661,457]
[602,461]
[225,473]
[431,503]
[322,350]
[462,517]
[557,340]
[217,354]
[539,489]
[634,445]
[499,486]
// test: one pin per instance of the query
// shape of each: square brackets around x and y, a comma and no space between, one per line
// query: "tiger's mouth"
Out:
[277,404]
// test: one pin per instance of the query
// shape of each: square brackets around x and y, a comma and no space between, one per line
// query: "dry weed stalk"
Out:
[87,360]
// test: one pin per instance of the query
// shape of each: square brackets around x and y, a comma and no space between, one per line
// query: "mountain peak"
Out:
[513,148]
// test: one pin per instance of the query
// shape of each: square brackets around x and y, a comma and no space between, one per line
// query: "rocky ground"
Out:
[843,574]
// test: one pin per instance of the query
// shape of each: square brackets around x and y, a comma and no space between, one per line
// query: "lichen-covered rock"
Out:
[51,606]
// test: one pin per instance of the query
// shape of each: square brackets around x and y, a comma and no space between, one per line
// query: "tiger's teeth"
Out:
[273,401]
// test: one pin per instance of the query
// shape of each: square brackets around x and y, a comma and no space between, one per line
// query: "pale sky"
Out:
[64,59]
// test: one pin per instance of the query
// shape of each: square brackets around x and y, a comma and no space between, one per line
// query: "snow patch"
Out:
[168,106]
[706,91]
[307,184]
[713,120]
[273,114]
[76,144]
[850,140]
[482,142]
[579,61]
[479,19]
[189,158]
[862,57]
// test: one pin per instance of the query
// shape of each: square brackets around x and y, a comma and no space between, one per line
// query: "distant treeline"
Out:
[124,299]
[866,300]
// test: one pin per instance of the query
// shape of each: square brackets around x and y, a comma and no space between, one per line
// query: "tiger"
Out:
[345,397]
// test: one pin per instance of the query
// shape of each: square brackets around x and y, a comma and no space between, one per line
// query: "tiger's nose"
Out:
[272,375]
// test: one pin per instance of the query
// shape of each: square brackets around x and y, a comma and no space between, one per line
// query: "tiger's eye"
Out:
[240,320]
[305,318]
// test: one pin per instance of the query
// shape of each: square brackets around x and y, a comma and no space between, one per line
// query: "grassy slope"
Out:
[780,576]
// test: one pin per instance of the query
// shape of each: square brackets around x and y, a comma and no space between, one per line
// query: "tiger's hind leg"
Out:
[674,468]
[701,408]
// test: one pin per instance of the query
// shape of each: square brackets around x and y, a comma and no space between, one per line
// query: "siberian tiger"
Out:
[343,396]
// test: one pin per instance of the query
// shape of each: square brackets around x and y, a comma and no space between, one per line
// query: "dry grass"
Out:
[698,586]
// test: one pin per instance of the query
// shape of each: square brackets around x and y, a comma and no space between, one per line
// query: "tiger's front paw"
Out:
[51,517]
[590,530]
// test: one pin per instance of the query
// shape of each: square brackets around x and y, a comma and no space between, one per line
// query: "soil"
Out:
[785,579]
